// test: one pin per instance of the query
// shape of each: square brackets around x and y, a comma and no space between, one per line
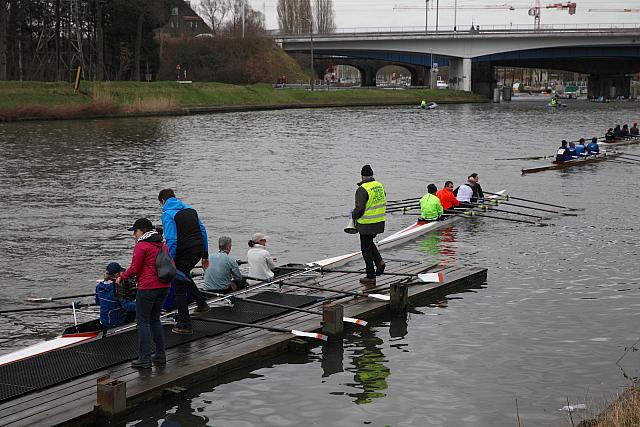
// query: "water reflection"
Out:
[369,368]
[441,244]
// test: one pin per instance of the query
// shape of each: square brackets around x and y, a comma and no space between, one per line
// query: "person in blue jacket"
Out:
[186,238]
[114,311]
[593,148]
[581,149]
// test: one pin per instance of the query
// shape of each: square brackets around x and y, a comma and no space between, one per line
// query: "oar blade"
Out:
[359,322]
[431,277]
[38,300]
[313,335]
[381,297]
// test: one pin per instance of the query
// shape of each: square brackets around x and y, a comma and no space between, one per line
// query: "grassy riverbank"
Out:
[623,412]
[21,100]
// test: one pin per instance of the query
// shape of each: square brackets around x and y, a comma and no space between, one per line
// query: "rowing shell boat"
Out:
[404,235]
[622,141]
[572,163]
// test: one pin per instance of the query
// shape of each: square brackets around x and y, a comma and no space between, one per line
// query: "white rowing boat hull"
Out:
[408,233]
[47,346]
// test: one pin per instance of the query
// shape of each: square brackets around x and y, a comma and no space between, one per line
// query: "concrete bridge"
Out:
[607,54]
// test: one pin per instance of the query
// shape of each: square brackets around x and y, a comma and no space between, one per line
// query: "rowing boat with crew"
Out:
[555,165]
[93,330]
[622,141]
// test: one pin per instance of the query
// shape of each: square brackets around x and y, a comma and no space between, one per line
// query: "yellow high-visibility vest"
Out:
[376,207]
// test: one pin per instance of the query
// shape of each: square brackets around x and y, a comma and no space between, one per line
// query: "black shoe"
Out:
[139,364]
[202,309]
[159,360]
[380,268]
[368,281]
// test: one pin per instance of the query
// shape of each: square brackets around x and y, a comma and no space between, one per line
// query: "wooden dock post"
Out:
[111,396]
[399,298]
[332,323]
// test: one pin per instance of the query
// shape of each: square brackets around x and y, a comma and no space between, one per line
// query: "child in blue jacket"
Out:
[114,311]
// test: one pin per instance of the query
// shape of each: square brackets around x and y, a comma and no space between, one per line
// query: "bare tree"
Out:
[215,11]
[294,16]
[4,22]
[324,16]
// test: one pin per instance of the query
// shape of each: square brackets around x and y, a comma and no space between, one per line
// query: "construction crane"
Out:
[533,10]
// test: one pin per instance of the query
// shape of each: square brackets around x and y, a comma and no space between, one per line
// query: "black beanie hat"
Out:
[366,171]
[432,189]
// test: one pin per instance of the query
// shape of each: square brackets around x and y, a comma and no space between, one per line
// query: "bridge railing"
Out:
[481,29]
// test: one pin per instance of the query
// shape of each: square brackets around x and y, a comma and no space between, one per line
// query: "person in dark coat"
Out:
[369,215]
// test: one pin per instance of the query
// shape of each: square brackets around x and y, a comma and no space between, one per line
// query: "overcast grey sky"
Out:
[381,13]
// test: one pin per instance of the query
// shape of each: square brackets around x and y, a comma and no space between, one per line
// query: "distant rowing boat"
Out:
[622,141]
[573,163]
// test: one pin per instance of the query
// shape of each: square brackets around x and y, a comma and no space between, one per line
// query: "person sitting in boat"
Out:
[609,136]
[625,131]
[634,131]
[581,149]
[572,151]
[260,261]
[447,198]
[593,148]
[423,104]
[563,154]
[223,274]
[617,132]
[554,101]
[114,311]
[430,206]
[469,192]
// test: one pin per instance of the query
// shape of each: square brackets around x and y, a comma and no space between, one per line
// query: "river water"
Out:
[561,304]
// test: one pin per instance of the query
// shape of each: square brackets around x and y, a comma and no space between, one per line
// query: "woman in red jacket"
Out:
[151,293]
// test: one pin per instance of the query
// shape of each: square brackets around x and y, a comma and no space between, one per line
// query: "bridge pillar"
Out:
[419,76]
[368,76]
[484,81]
[460,70]
[609,86]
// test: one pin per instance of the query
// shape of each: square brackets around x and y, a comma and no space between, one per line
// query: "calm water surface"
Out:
[561,304]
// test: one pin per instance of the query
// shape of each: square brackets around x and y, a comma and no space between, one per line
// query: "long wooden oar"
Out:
[487,208]
[632,160]
[528,158]
[352,293]
[469,214]
[51,307]
[629,154]
[627,162]
[39,300]
[268,328]
[507,197]
[432,277]
[302,310]
[404,200]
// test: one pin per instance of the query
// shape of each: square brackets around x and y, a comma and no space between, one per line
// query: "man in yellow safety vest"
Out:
[369,214]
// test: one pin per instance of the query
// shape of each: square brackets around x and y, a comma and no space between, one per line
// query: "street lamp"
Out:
[426,16]
[455,15]
[313,71]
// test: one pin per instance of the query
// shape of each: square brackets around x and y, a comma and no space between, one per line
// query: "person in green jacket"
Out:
[430,206]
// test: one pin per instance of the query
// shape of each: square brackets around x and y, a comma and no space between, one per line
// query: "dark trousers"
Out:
[370,254]
[148,306]
[185,264]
